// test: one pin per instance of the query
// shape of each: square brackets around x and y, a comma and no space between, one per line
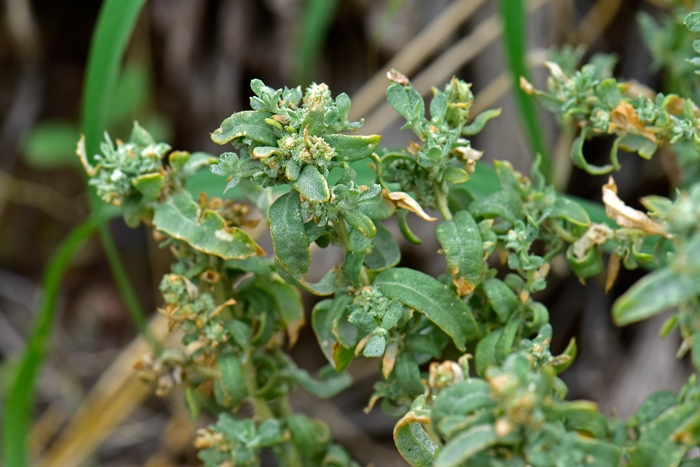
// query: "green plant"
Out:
[238,309]
[465,360]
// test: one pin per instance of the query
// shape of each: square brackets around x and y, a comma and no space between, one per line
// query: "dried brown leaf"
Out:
[404,201]
[626,216]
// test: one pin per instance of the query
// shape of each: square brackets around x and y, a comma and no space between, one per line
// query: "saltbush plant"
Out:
[498,400]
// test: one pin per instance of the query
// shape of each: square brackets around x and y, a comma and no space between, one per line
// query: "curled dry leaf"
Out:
[634,88]
[624,117]
[404,201]
[597,234]
[444,374]
[397,77]
[613,270]
[526,86]
[389,358]
[626,216]
[82,155]
[469,156]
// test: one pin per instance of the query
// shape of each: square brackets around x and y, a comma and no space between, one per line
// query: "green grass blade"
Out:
[316,20]
[515,41]
[18,404]
[115,25]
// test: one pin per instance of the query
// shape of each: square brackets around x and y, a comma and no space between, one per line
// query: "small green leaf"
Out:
[249,124]
[408,373]
[463,248]
[692,21]
[504,345]
[344,331]
[431,297]
[463,446]
[375,347]
[503,300]
[570,211]
[485,354]
[351,148]
[655,292]
[386,252]
[455,175]
[657,445]
[655,405]
[462,398]
[229,388]
[338,356]
[288,235]
[480,121]
[415,445]
[310,436]
[149,185]
[580,161]
[407,102]
[361,222]
[312,185]
[288,306]
[405,229]
[588,266]
[376,208]
[181,218]
[438,107]
[329,384]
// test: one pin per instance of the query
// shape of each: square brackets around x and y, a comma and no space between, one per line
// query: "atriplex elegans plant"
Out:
[498,404]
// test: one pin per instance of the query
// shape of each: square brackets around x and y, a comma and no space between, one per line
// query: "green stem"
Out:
[341,229]
[260,406]
[561,231]
[441,200]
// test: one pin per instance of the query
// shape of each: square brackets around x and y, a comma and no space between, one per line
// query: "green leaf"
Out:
[338,356]
[480,121]
[351,148]
[181,218]
[580,161]
[310,436]
[504,345]
[344,331]
[249,124]
[229,388]
[288,306]
[149,185]
[432,298]
[375,347]
[485,354]
[657,446]
[460,448]
[312,185]
[692,21]
[415,445]
[462,398]
[330,382]
[17,408]
[463,249]
[588,266]
[405,229]
[376,208]
[407,102]
[361,222]
[408,373]
[652,294]
[502,298]
[386,252]
[288,235]
[570,211]
[655,405]
[438,107]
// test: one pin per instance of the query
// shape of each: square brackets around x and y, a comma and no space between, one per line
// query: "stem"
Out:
[441,200]
[260,406]
[341,230]
[561,231]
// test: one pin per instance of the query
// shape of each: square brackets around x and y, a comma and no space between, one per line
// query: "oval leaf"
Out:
[463,248]
[181,218]
[288,234]
[351,148]
[249,124]
[312,185]
[432,298]
[464,445]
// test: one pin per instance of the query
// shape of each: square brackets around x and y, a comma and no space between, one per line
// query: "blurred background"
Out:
[188,67]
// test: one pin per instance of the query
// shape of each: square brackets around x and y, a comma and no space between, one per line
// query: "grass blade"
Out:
[514,39]
[312,31]
[115,25]
[18,403]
